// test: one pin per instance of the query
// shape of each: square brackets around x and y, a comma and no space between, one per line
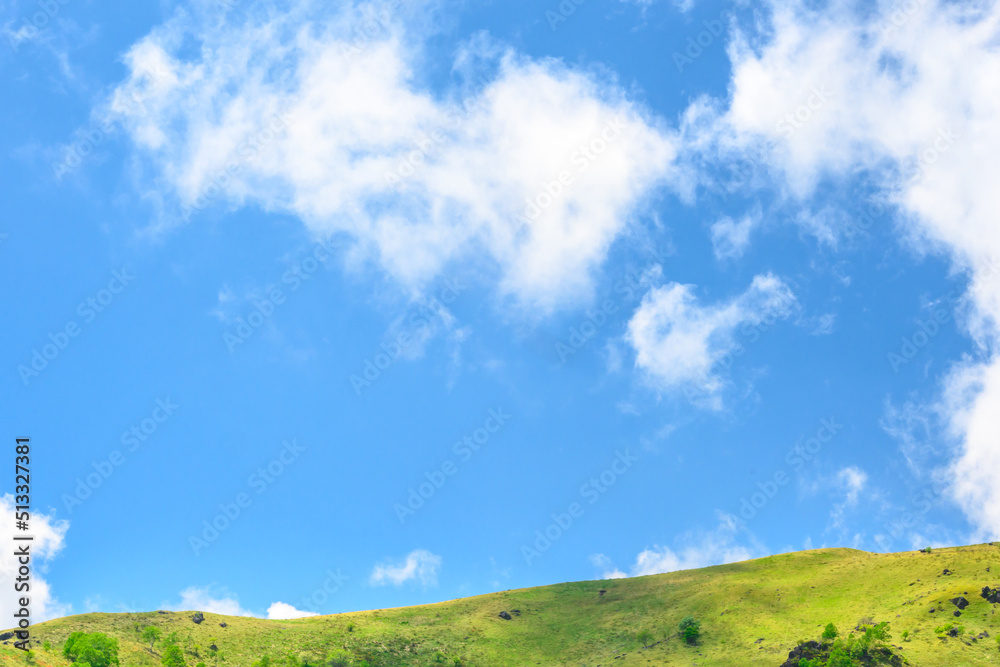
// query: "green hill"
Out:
[751,613]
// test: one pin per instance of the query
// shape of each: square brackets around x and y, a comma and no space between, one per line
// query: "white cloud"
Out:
[25,33]
[702,549]
[730,238]
[220,601]
[207,599]
[823,325]
[419,565]
[679,342]
[682,5]
[912,424]
[350,141]
[850,481]
[826,95]
[609,571]
[282,611]
[853,480]
[49,539]
[972,394]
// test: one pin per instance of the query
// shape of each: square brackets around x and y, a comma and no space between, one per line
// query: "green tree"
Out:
[173,656]
[265,661]
[839,657]
[95,649]
[151,634]
[830,632]
[338,658]
[645,638]
[690,629]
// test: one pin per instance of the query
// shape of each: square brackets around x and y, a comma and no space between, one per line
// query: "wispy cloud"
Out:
[679,342]
[699,549]
[419,565]
[210,599]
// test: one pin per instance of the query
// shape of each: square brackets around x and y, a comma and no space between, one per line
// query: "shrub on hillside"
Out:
[870,648]
[95,649]
[151,634]
[645,638]
[830,632]
[951,629]
[173,656]
[338,658]
[690,629]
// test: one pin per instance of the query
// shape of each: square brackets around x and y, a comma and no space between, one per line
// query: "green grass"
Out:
[779,600]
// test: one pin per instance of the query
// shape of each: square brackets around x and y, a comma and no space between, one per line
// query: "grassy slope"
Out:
[780,599]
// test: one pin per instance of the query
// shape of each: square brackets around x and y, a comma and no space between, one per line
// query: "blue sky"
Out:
[415,302]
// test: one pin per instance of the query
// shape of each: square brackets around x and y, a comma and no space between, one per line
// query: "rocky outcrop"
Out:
[807,651]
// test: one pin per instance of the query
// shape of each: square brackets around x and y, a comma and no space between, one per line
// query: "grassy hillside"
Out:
[752,613]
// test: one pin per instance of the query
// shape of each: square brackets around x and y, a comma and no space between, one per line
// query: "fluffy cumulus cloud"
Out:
[49,539]
[419,565]
[679,343]
[282,611]
[907,94]
[701,549]
[531,168]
